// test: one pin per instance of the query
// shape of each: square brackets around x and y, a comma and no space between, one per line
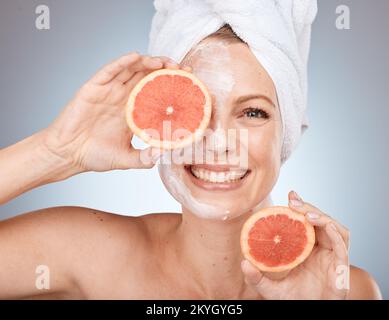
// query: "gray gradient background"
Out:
[340,165]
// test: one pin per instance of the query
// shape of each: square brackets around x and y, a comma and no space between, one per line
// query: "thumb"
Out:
[139,158]
[253,276]
[292,195]
[269,286]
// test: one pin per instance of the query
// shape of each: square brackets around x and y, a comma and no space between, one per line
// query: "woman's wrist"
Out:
[28,164]
[53,166]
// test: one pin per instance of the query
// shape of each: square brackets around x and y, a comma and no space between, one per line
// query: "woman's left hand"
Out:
[323,275]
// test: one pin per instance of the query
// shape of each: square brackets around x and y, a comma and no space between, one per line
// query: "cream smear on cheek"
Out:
[211,63]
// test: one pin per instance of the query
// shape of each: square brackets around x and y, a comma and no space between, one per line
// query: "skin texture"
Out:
[93,254]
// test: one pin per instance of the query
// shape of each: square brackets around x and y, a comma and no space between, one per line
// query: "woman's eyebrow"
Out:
[245,98]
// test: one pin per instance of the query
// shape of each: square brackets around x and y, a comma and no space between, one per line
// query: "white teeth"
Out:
[218,177]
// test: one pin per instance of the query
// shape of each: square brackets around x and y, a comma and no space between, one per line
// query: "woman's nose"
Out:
[217,135]
[216,140]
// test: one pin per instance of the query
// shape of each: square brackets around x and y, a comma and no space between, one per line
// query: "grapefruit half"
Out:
[169,109]
[277,239]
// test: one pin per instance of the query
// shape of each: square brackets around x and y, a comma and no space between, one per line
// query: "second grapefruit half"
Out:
[277,239]
[169,109]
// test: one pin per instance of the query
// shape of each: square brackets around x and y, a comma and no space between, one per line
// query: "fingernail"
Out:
[333,227]
[296,203]
[155,158]
[173,61]
[313,215]
[244,264]
[156,155]
[156,63]
[296,195]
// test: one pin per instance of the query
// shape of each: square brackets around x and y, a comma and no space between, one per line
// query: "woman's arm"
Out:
[90,134]
[29,164]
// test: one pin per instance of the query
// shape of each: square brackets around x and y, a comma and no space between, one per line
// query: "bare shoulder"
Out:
[363,286]
[74,231]
[70,222]
[85,229]
[63,239]
[85,248]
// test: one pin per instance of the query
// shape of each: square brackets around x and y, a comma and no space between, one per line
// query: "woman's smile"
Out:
[217,176]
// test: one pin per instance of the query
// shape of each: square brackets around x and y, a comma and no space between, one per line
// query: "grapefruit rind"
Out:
[310,232]
[165,144]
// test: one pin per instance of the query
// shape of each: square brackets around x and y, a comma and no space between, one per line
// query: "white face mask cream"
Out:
[211,63]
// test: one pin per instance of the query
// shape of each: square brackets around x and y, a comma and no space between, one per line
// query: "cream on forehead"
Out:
[211,62]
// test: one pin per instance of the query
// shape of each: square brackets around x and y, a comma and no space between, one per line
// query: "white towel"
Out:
[277,32]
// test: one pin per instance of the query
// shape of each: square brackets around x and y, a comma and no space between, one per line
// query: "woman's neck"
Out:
[209,251]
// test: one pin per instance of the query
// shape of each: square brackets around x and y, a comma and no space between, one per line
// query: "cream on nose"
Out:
[216,140]
[225,143]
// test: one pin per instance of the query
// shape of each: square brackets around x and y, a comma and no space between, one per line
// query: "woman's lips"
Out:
[217,177]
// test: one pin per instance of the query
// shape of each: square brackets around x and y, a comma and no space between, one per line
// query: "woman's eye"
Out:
[255,113]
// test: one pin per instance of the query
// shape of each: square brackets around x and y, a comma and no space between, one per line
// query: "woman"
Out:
[194,255]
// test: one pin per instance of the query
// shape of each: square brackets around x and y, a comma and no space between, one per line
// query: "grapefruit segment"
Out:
[277,239]
[169,109]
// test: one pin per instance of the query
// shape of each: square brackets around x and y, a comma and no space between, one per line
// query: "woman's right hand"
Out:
[91,133]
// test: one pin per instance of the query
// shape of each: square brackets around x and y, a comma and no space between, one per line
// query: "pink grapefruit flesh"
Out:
[277,239]
[169,109]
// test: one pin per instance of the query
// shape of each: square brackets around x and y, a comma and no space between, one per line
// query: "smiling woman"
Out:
[194,254]
[240,106]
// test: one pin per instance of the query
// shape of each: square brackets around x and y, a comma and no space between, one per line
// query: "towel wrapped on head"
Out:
[276,31]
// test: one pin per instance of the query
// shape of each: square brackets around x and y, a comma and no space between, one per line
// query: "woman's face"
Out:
[240,161]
